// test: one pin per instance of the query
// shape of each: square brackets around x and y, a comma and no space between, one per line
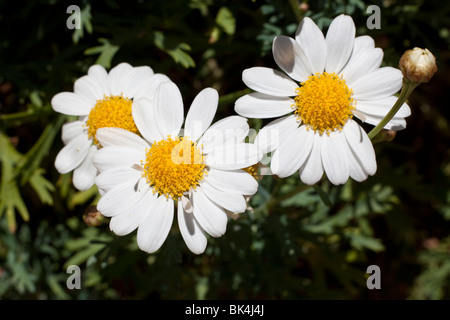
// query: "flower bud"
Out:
[304,6]
[418,65]
[92,217]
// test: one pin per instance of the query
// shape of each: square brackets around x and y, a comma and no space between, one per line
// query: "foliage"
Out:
[295,242]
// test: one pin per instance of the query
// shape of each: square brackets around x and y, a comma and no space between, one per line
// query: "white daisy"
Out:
[100,100]
[199,170]
[329,80]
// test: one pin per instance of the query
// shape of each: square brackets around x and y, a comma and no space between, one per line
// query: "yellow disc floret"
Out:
[174,166]
[111,111]
[324,102]
[253,170]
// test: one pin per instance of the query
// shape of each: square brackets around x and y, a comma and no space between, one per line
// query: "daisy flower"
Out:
[197,169]
[327,83]
[99,100]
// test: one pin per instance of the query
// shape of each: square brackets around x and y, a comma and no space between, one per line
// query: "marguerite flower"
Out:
[100,100]
[329,81]
[198,171]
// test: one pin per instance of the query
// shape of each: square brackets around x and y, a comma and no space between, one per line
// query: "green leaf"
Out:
[106,52]
[92,279]
[433,282]
[202,287]
[226,21]
[10,198]
[81,256]
[323,195]
[42,186]
[177,50]
[82,197]
[85,23]
[303,199]
[181,57]
[33,158]
[56,288]
[23,280]
[359,242]
[90,243]
[201,5]
[36,99]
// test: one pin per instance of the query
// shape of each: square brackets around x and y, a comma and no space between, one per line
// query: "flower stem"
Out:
[231,97]
[407,88]
[296,8]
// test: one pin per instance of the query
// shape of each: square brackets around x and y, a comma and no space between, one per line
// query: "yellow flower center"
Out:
[174,166]
[112,111]
[324,102]
[253,170]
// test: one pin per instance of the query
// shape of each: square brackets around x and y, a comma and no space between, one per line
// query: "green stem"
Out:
[231,97]
[18,118]
[407,89]
[296,8]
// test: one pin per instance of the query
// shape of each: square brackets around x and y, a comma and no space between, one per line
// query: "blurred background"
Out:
[294,242]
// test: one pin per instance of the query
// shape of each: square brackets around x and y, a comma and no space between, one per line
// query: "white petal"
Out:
[356,169]
[122,197]
[121,138]
[312,170]
[269,137]
[291,58]
[114,157]
[395,124]
[362,64]
[269,81]
[379,84]
[259,105]
[339,39]
[99,74]
[311,39]
[209,215]
[123,224]
[144,117]
[231,201]
[293,152]
[168,112]
[236,181]
[84,175]
[289,130]
[361,145]
[127,221]
[147,89]
[201,113]
[73,154]
[231,129]
[335,157]
[381,107]
[362,43]
[111,178]
[187,205]
[89,88]
[191,231]
[117,78]
[71,130]
[233,156]
[136,77]
[71,104]
[153,231]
